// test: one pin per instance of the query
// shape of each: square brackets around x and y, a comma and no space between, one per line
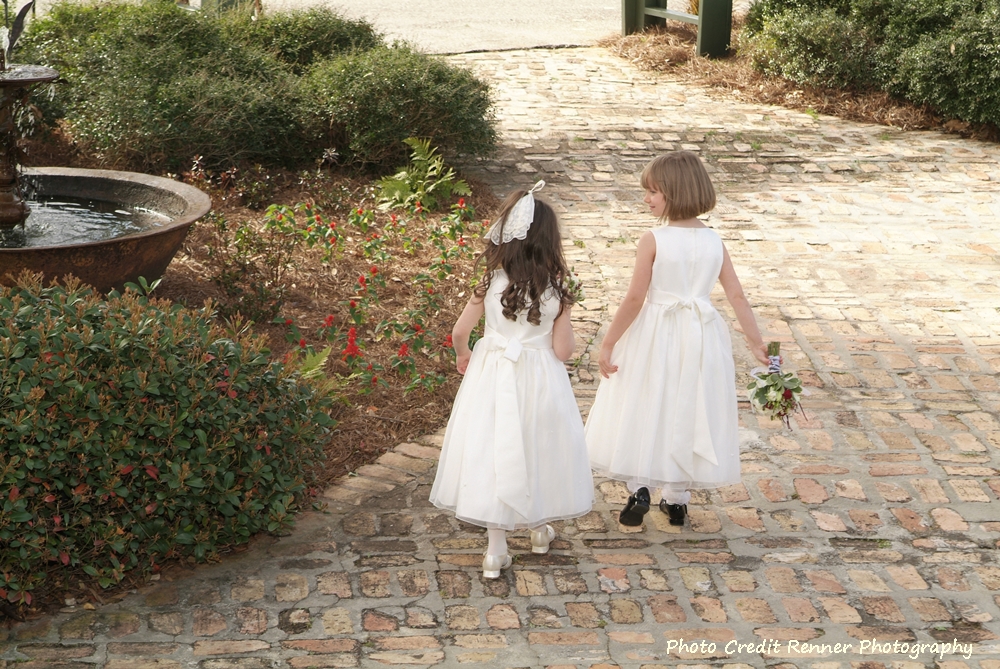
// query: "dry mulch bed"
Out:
[670,48]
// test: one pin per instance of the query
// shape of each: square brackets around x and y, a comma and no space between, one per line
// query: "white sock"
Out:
[676,493]
[498,541]
[634,485]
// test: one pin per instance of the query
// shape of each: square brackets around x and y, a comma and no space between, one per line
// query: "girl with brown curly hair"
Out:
[514,454]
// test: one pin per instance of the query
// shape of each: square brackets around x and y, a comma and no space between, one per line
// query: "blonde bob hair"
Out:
[685,184]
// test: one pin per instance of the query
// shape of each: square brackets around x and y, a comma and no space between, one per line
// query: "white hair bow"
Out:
[515,225]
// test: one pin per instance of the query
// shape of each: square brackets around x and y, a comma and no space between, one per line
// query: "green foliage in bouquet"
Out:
[775,393]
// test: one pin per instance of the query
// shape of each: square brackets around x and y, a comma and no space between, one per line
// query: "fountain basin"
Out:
[109,263]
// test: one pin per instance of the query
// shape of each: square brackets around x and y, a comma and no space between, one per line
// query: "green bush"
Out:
[132,431]
[818,47]
[301,38]
[956,71]
[372,101]
[943,53]
[153,85]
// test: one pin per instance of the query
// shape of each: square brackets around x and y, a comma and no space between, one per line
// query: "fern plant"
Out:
[426,180]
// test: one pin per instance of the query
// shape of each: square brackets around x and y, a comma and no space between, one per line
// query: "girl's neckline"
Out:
[686,227]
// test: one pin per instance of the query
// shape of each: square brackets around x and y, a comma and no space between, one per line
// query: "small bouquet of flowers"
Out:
[575,286]
[773,393]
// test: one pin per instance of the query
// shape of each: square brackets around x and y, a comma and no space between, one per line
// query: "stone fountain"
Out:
[104,227]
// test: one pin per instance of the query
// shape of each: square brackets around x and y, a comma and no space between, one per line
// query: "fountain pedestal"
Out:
[14,82]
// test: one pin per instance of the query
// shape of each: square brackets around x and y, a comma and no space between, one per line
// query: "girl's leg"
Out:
[496,553]
[498,541]
[637,505]
[676,493]
[675,499]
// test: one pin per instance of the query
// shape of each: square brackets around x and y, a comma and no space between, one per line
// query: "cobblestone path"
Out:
[871,254]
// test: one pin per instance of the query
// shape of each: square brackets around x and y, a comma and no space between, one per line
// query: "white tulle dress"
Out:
[514,453]
[669,414]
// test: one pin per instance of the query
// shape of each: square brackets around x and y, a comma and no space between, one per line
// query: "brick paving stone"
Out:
[584,614]
[625,611]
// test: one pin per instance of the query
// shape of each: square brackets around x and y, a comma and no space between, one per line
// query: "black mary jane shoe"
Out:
[635,509]
[676,512]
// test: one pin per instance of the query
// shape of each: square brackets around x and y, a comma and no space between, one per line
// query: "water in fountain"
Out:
[67,220]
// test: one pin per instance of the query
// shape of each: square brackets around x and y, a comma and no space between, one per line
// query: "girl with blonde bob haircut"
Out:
[665,412]
[684,182]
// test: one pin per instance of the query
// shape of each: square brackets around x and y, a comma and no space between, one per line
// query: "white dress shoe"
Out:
[540,540]
[493,564]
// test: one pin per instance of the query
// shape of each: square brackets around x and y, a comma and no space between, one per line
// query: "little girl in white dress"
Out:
[514,454]
[665,413]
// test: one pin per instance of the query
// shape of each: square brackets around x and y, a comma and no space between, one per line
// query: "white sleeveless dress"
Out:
[514,453]
[669,414]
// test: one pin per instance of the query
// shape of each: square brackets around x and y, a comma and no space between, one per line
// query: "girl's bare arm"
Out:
[563,341]
[741,305]
[631,303]
[470,316]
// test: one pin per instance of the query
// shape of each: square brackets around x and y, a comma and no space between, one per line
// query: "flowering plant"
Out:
[773,393]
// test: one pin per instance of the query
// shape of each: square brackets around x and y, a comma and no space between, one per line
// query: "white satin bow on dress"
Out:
[509,463]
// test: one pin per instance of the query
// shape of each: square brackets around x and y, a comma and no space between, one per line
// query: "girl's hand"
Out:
[462,360]
[760,352]
[604,362]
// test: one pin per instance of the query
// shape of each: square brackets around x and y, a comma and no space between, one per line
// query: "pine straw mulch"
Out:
[670,49]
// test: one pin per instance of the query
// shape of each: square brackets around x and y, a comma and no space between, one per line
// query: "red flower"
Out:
[417,328]
[447,343]
[328,321]
[361,212]
[288,321]
[430,291]
[333,224]
[393,218]
[787,394]
[461,241]
[404,350]
[374,270]
[302,343]
[419,208]
[362,282]
[374,380]
[461,203]
[317,218]
[354,305]
[352,334]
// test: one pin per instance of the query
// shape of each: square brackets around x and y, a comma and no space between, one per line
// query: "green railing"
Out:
[714,20]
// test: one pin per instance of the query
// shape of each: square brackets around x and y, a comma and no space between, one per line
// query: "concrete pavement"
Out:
[871,254]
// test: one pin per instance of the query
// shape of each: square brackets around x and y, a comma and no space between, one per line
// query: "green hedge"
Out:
[302,38]
[374,100]
[151,85]
[132,431]
[943,53]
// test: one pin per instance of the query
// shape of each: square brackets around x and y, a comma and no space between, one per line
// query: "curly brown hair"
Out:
[533,265]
